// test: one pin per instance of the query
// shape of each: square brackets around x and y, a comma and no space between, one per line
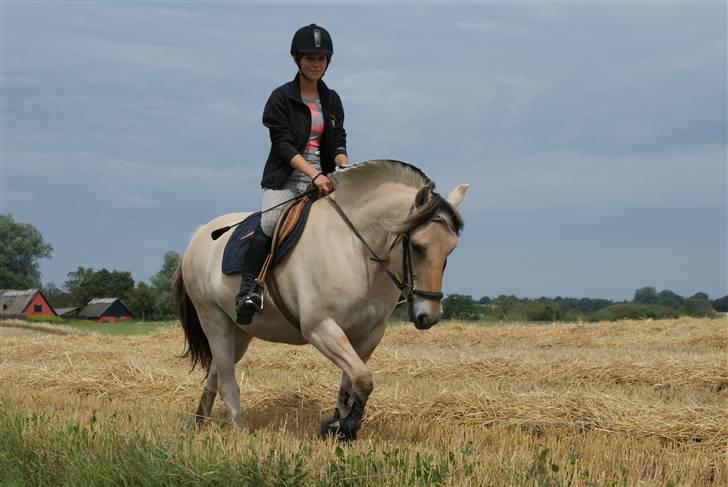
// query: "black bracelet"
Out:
[314,178]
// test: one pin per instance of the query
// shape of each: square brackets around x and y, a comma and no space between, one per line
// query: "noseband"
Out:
[407,285]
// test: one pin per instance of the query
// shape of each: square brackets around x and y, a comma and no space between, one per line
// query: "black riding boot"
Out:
[249,300]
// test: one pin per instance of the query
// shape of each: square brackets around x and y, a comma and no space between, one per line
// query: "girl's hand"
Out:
[323,183]
[341,160]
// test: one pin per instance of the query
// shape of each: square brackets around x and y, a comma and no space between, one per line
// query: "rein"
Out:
[407,285]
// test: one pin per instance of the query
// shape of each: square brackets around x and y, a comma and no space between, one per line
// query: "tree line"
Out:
[646,303]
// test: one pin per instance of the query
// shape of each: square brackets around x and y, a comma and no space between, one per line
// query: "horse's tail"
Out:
[198,348]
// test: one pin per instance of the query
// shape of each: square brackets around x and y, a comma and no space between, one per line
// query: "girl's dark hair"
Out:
[297,57]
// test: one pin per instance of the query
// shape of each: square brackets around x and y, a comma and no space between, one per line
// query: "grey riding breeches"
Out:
[297,184]
[272,197]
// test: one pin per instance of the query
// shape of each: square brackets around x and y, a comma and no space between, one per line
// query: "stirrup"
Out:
[250,304]
[254,301]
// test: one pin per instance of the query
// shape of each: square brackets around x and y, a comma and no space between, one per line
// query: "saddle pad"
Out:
[234,254]
[237,246]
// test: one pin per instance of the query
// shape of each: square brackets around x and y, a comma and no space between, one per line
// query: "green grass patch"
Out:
[121,327]
[66,327]
[44,450]
[36,451]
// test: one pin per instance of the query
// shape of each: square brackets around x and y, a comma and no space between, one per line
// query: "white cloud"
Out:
[90,170]
[583,181]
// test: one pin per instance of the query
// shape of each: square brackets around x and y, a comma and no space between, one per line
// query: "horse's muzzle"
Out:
[424,321]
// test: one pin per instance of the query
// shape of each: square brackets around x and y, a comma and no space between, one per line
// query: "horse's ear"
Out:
[457,195]
[423,195]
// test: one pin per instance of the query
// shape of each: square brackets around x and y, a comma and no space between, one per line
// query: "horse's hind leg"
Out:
[227,344]
[209,390]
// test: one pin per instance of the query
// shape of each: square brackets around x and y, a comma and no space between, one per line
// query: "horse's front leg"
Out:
[354,390]
[332,425]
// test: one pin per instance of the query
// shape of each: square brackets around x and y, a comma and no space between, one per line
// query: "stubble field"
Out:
[627,403]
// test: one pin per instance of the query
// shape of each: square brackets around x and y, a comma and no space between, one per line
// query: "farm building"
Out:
[16,303]
[67,312]
[105,309]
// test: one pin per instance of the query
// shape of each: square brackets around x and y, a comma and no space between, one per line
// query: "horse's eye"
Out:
[418,248]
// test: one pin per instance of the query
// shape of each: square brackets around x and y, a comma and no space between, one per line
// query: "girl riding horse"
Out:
[306,124]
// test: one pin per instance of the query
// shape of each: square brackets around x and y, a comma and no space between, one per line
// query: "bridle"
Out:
[406,286]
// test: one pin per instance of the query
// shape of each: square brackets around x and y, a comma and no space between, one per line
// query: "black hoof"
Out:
[332,427]
[344,429]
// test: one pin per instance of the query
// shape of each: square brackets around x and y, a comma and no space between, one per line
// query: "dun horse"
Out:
[386,234]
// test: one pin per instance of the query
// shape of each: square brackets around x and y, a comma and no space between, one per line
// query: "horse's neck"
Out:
[374,210]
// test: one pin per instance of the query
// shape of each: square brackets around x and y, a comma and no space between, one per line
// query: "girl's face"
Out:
[313,65]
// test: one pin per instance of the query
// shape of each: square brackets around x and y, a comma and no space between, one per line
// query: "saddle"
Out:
[288,231]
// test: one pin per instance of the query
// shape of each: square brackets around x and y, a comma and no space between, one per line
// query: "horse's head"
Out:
[430,234]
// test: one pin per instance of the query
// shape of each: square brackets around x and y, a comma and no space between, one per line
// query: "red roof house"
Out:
[16,303]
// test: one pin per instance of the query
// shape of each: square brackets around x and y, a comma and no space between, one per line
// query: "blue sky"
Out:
[593,134]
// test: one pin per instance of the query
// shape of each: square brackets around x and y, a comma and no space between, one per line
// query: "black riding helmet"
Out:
[312,39]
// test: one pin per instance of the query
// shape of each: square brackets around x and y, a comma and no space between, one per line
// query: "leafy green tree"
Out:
[460,307]
[700,295]
[670,299]
[484,300]
[58,297]
[721,304]
[543,310]
[504,305]
[588,305]
[116,284]
[645,295]
[21,246]
[141,301]
[699,308]
[74,282]
[633,311]
[86,284]
[161,285]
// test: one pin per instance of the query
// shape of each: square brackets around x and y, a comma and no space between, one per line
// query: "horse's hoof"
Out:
[332,427]
[237,422]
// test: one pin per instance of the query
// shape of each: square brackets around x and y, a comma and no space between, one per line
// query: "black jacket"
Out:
[288,119]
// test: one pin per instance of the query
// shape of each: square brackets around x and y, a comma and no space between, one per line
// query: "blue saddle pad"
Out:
[237,246]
